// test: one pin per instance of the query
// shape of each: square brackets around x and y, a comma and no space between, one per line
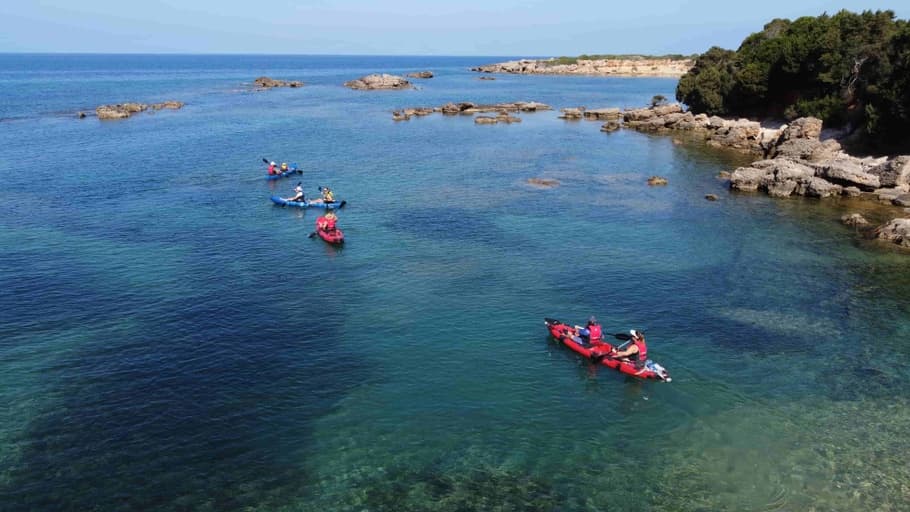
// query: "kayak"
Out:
[285,174]
[598,350]
[333,237]
[306,204]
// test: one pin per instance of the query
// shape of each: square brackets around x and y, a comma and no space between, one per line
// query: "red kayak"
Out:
[598,351]
[333,235]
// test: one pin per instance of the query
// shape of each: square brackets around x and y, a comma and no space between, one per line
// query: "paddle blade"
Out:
[265,160]
[311,235]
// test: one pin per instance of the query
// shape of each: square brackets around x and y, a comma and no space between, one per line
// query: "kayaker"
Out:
[592,330]
[637,352]
[327,222]
[284,167]
[273,168]
[327,196]
[298,194]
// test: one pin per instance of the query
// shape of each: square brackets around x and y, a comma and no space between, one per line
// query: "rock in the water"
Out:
[723,175]
[610,126]
[543,182]
[377,82]
[502,117]
[901,200]
[264,82]
[486,120]
[573,113]
[897,231]
[657,180]
[852,192]
[747,178]
[80,115]
[485,78]
[603,114]
[170,104]
[854,219]
[711,197]
[124,110]
[421,74]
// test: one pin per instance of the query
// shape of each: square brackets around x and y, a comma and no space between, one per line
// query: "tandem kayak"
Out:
[285,174]
[334,237]
[598,351]
[307,204]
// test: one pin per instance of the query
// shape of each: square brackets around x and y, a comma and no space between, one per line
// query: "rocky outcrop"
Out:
[854,219]
[379,82]
[124,110]
[502,117]
[656,181]
[572,113]
[610,126]
[603,114]
[894,172]
[264,82]
[711,197]
[897,231]
[468,108]
[485,78]
[598,67]
[421,74]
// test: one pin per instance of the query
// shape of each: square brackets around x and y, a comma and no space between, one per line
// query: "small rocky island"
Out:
[264,82]
[124,110]
[619,66]
[421,74]
[469,108]
[379,82]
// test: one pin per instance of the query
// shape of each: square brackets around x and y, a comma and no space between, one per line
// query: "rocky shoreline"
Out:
[469,108]
[798,159]
[593,67]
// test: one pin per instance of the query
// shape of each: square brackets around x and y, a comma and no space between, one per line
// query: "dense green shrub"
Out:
[848,69]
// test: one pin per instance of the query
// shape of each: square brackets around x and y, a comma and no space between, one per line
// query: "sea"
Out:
[171,340]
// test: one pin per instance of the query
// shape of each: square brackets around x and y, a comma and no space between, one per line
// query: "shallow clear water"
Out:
[170,340]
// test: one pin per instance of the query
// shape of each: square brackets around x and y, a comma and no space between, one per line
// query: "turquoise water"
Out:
[170,340]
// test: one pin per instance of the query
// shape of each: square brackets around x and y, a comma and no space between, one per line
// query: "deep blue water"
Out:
[170,340]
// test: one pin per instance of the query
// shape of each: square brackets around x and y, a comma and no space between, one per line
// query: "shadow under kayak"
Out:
[307,204]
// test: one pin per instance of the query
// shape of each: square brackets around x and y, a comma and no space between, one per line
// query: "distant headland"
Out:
[597,65]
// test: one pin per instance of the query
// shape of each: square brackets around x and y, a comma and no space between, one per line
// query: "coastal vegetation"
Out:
[850,70]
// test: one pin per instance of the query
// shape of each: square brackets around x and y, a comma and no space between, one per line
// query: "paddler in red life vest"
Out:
[273,168]
[327,222]
[636,353]
[591,330]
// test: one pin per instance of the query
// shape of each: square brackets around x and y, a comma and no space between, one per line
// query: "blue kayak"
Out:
[285,174]
[307,204]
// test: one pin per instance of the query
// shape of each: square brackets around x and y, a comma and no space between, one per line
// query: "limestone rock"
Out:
[901,200]
[264,82]
[849,171]
[817,187]
[802,128]
[486,120]
[894,172]
[806,149]
[573,113]
[747,178]
[379,82]
[897,231]
[711,197]
[854,219]
[657,180]
[610,126]
[421,74]
[852,192]
[723,175]
[170,104]
[603,114]
[486,78]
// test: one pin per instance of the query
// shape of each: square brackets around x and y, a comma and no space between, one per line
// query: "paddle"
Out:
[311,235]
[600,357]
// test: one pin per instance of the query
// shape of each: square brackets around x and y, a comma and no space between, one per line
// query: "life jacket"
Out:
[594,332]
[271,169]
[329,223]
[642,354]
[327,196]
[284,167]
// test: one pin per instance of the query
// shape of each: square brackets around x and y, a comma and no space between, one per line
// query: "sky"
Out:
[398,27]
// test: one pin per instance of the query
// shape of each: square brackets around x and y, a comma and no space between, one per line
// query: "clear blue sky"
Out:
[397,27]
